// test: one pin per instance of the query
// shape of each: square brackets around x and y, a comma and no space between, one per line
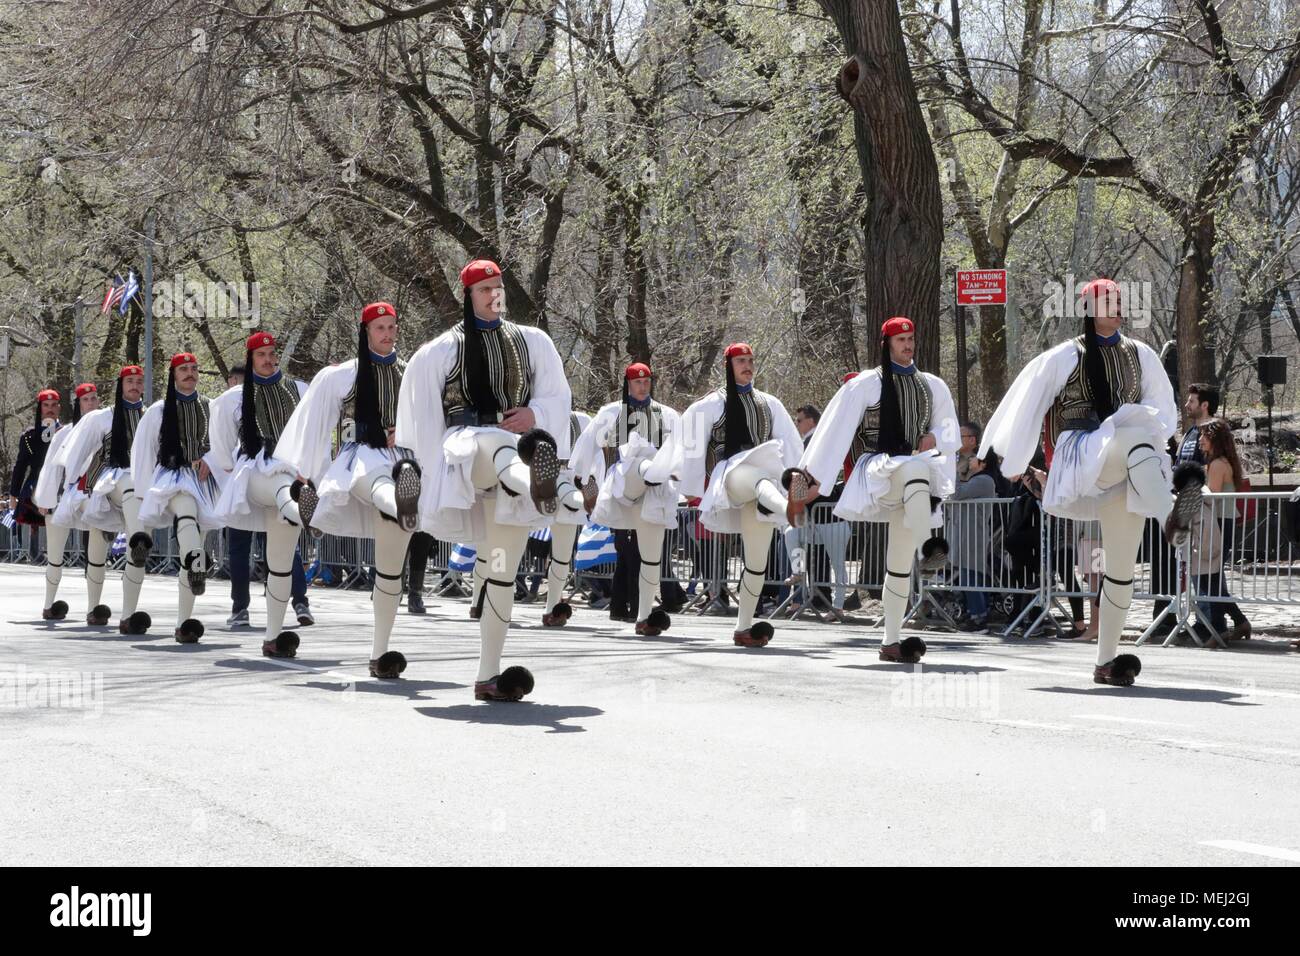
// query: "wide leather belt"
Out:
[473,417]
[1087,423]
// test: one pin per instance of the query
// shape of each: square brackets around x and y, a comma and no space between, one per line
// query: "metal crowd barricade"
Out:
[979,563]
[1244,550]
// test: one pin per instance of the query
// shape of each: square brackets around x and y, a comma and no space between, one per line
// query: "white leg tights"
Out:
[56,541]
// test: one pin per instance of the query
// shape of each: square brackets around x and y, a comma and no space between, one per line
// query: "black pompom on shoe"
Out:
[58,610]
[285,645]
[189,632]
[135,623]
[388,666]
[99,615]
[558,617]
[515,682]
[1121,672]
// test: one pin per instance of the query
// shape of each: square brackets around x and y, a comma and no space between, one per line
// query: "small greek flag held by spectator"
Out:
[118,547]
[595,547]
[7,519]
[541,534]
[462,559]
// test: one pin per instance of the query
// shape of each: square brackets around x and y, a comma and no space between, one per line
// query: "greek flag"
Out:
[7,519]
[462,559]
[541,534]
[595,547]
[118,547]
[128,292]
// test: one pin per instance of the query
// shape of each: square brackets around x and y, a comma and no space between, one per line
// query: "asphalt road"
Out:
[676,750]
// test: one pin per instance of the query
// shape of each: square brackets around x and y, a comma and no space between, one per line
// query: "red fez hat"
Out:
[1099,288]
[897,324]
[85,388]
[184,358]
[849,376]
[738,348]
[130,370]
[259,340]
[636,370]
[477,271]
[377,310]
[47,395]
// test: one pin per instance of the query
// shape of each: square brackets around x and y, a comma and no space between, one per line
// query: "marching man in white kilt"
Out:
[899,425]
[99,450]
[486,407]
[262,492]
[371,487]
[1104,405]
[613,455]
[172,461]
[59,497]
[732,450]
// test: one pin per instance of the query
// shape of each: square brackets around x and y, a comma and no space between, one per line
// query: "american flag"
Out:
[113,296]
[132,287]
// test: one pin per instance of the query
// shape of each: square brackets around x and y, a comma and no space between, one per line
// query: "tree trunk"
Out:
[1193,304]
[903,224]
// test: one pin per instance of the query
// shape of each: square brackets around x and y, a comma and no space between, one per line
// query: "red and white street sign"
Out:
[982,287]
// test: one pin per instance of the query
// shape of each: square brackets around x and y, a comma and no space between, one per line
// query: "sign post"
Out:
[973,287]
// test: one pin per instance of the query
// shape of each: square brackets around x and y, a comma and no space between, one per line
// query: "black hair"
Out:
[250,439]
[1207,394]
[119,448]
[811,411]
[370,430]
[891,439]
[1094,367]
[993,468]
[76,408]
[480,394]
[737,428]
[170,453]
[975,427]
[241,369]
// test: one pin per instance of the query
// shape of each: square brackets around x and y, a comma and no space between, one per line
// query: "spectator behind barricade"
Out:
[968,539]
[1023,541]
[1200,408]
[806,419]
[1215,534]
[971,434]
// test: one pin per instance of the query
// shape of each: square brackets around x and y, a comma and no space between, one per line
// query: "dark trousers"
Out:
[417,560]
[627,574]
[239,546]
[1164,564]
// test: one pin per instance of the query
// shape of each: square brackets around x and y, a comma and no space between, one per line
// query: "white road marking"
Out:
[1258,849]
[1127,720]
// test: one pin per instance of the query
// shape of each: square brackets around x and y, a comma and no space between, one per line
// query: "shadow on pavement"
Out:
[521,714]
[1157,693]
